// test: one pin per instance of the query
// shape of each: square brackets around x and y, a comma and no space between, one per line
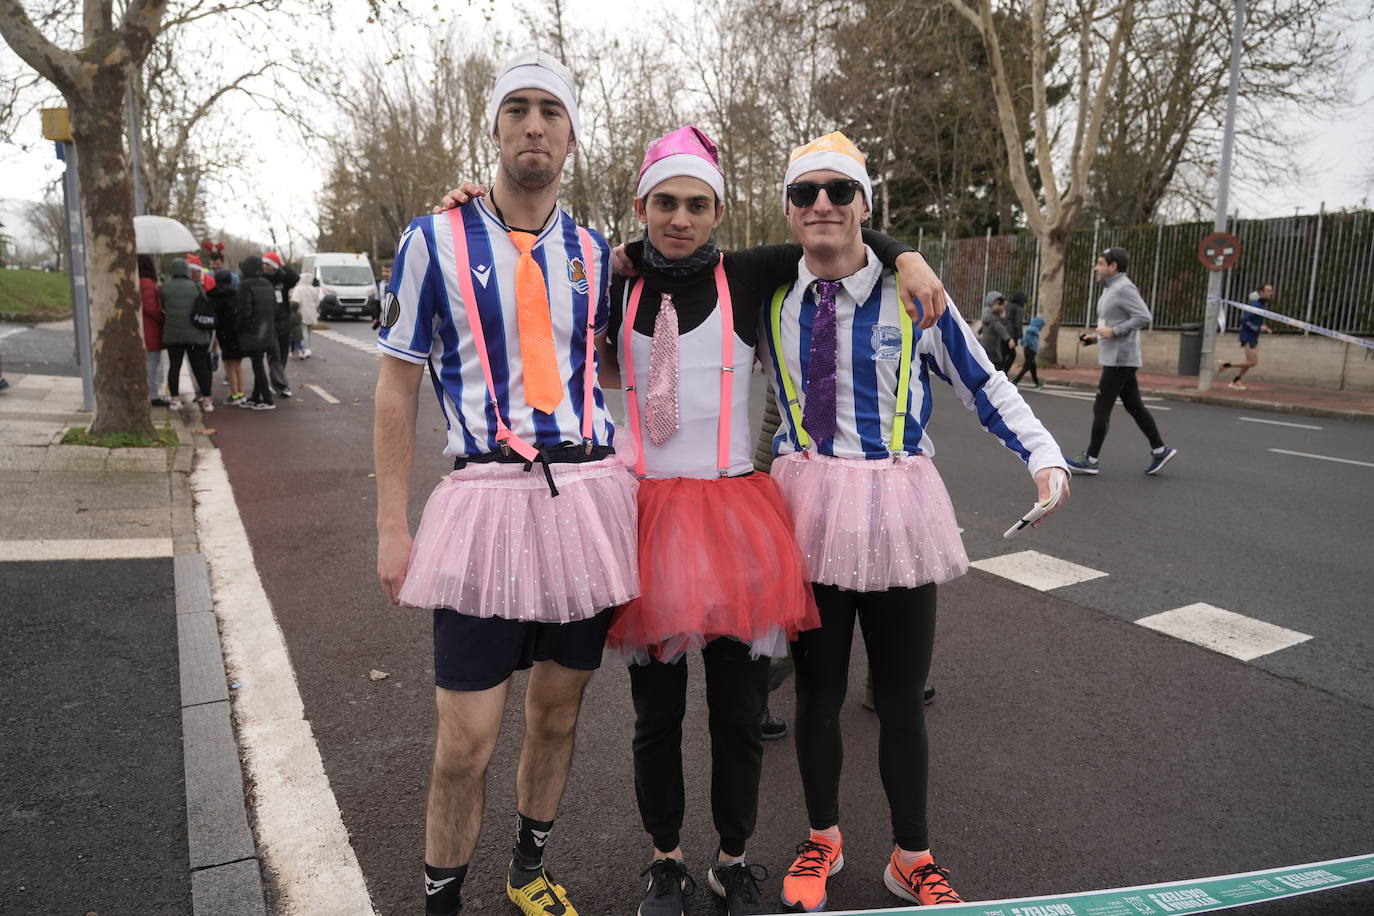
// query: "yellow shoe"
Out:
[541,897]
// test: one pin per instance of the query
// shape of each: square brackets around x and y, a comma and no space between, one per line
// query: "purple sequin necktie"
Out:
[818,416]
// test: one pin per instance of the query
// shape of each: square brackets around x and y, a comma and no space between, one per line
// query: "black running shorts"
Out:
[476,653]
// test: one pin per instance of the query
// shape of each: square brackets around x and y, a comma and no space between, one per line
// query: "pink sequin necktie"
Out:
[662,414]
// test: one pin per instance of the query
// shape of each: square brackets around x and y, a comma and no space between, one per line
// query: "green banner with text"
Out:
[1203,895]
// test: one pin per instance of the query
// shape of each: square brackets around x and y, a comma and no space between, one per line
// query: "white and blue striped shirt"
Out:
[869,344]
[432,326]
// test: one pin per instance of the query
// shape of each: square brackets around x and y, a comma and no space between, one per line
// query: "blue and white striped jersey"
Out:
[868,331]
[432,326]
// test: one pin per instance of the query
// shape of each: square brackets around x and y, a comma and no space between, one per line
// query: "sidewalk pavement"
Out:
[120,783]
[122,791]
[1314,402]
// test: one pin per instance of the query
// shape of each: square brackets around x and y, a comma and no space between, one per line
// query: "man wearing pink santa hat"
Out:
[524,549]
[870,512]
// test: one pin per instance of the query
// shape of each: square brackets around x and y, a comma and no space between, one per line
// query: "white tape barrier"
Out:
[1297,323]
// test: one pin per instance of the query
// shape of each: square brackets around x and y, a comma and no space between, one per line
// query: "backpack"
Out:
[203,313]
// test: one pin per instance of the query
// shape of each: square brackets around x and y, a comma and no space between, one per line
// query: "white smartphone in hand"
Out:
[1040,509]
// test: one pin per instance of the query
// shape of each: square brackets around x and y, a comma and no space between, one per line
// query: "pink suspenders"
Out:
[727,371]
[504,436]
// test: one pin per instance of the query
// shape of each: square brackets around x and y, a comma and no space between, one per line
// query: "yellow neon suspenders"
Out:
[790,389]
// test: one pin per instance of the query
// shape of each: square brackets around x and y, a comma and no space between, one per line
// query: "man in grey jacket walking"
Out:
[1122,313]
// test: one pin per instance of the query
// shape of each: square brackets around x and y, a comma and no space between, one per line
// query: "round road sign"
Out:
[1219,251]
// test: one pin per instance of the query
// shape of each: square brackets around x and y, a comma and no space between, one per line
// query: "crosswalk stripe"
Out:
[1037,570]
[84,549]
[1223,631]
[329,398]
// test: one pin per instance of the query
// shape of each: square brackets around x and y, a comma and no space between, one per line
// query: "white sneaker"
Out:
[176,403]
[207,405]
[1237,386]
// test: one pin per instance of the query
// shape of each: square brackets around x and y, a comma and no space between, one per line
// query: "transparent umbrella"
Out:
[162,235]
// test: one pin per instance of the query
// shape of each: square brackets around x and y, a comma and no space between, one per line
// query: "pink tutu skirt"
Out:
[872,525]
[716,558]
[494,542]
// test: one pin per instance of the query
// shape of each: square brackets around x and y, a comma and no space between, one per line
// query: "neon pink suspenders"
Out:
[504,436]
[727,371]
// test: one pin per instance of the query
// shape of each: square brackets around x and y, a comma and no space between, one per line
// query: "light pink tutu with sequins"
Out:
[871,525]
[494,542]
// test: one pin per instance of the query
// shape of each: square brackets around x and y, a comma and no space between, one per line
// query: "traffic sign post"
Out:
[57,127]
[1219,251]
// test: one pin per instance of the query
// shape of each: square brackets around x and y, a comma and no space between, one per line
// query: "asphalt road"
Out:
[1071,748]
[48,349]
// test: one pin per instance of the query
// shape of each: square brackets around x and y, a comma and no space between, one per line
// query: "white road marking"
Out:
[1037,570]
[322,393]
[1076,395]
[1277,423]
[1223,631]
[85,549]
[1284,451]
[8,331]
[365,346]
[300,829]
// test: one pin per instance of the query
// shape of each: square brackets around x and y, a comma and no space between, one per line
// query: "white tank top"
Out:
[692,451]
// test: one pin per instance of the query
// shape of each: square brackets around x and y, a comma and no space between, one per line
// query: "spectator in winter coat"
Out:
[989,300]
[282,278]
[994,335]
[224,297]
[257,328]
[152,326]
[306,302]
[1030,346]
[181,297]
[1016,320]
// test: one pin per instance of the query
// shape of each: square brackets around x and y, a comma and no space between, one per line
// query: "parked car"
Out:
[347,284]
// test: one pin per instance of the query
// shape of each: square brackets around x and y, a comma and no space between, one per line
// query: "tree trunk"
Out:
[1054,248]
[121,386]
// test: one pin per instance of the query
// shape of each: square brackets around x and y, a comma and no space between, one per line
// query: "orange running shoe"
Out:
[803,887]
[924,883]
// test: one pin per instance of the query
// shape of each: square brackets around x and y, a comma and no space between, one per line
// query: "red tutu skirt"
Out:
[717,558]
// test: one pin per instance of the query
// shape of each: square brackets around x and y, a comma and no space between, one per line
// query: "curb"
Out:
[1173,394]
[226,871]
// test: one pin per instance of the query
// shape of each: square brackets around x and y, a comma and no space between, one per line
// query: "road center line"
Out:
[1278,423]
[322,393]
[1284,451]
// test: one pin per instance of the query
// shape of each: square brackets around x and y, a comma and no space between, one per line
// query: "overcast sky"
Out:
[1335,154]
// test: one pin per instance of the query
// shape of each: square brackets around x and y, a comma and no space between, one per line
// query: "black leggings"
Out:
[736,692]
[262,386]
[899,632]
[1027,366]
[1120,382]
[199,356]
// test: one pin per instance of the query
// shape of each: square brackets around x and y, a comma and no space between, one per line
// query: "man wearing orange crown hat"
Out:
[870,512]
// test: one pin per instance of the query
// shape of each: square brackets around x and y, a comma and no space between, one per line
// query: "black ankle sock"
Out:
[1226,365]
[530,837]
[444,890]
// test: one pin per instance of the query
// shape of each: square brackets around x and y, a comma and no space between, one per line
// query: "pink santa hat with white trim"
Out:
[686,152]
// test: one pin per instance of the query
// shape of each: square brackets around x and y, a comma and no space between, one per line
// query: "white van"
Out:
[347,284]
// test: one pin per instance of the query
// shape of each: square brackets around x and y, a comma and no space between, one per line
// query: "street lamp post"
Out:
[1209,321]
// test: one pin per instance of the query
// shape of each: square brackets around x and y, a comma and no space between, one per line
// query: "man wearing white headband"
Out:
[869,510]
[525,547]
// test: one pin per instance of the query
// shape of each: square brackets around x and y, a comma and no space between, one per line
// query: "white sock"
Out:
[830,833]
[906,857]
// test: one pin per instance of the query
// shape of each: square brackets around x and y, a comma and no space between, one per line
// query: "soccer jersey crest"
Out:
[577,274]
[887,341]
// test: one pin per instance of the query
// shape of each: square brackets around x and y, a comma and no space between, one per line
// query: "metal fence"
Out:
[1321,266]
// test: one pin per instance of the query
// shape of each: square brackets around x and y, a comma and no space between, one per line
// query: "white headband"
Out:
[535,70]
[827,160]
[684,165]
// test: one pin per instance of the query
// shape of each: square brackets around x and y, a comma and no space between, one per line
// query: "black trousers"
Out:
[199,356]
[262,385]
[898,628]
[736,693]
[276,359]
[1027,366]
[1120,382]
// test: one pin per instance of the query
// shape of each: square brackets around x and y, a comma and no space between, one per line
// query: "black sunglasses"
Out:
[839,191]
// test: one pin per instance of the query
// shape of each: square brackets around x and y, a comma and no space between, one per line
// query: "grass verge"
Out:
[34,295]
[164,437]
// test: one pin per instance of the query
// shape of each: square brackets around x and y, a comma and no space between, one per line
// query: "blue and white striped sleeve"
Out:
[409,306]
[988,392]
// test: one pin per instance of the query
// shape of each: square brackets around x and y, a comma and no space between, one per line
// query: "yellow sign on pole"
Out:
[57,125]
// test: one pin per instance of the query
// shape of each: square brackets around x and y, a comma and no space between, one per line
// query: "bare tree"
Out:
[49,218]
[1096,32]
[93,77]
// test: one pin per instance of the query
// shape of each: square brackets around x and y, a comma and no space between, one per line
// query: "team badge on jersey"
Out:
[887,341]
[391,309]
[577,275]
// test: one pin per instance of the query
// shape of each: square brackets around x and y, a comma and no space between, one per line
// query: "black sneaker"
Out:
[738,883]
[264,405]
[1084,464]
[772,726]
[284,392]
[668,881]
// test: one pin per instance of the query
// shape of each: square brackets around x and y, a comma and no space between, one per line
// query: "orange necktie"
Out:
[543,387]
